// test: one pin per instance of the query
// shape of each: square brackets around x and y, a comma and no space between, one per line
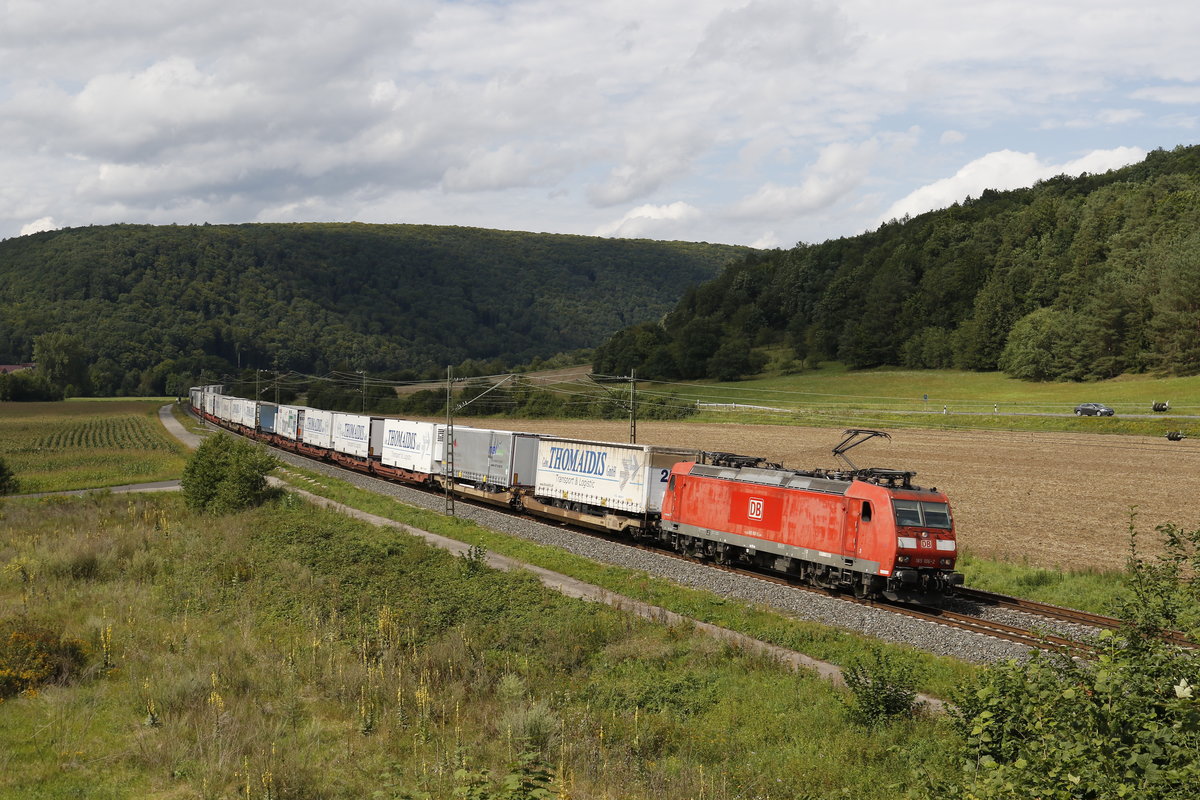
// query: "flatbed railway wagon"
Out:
[603,485]
[316,435]
[412,451]
[357,440]
[495,466]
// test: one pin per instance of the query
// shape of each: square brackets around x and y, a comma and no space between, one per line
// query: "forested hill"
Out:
[152,302]
[1072,279]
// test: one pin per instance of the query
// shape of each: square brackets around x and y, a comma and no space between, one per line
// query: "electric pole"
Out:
[632,407]
[448,444]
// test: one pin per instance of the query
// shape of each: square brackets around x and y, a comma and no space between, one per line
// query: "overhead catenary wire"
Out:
[582,391]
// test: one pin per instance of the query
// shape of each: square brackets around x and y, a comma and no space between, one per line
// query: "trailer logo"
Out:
[586,462]
[403,440]
[355,431]
[755,508]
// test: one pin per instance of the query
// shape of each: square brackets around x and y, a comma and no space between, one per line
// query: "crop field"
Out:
[1046,499]
[86,444]
[834,387]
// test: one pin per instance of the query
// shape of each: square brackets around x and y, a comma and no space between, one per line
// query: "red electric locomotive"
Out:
[867,530]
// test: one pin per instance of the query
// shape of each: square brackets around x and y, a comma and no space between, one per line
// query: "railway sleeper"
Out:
[904,584]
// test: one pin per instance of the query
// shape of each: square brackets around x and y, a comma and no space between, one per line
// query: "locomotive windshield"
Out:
[919,513]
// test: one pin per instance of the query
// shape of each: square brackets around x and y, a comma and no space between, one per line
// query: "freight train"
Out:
[868,531]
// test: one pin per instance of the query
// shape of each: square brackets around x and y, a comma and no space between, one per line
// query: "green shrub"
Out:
[1123,724]
[226,474]
[881,688]
[8,481]
[32,654]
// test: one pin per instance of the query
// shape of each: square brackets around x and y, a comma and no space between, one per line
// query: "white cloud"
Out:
[1119,116]
[767,241]
[1099,161]
[777,34]
[1002,170]
[650,221]
[652,157]
[1172,95]
[38,225]
[504,168]
[791,117]
[839,169]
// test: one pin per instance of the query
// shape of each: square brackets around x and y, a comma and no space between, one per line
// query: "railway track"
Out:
[1031,637]
[1060,613]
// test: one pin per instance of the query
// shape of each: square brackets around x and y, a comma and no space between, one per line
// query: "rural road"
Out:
[157,486]
[190,440]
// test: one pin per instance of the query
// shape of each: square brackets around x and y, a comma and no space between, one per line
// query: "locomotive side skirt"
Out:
[776,548]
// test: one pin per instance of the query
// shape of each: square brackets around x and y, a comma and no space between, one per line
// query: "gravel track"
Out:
[877,623]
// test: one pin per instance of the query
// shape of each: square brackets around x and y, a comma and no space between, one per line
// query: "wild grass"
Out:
[1098,591]
[84,444]
[938,675]
[189,422]
[290,652]
[833,394]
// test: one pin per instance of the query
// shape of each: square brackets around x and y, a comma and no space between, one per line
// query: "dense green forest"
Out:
[1073,279]
[139,309]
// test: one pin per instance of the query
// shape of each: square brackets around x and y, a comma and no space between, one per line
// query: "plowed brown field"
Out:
[1046,499]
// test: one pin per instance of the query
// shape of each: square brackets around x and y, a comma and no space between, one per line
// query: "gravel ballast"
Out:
[878,623]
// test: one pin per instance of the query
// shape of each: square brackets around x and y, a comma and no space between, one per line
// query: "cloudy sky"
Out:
[765,122]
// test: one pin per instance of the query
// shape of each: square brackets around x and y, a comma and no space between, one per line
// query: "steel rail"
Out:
[1012,633]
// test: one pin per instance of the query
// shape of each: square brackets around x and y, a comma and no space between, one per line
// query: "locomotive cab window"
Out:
[923,514]
[908,512]
[866,511]
[937,515]
[671,484]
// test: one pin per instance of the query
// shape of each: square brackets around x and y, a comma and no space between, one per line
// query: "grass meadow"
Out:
[87,444]
[289,652]
[938,676]
[892,397]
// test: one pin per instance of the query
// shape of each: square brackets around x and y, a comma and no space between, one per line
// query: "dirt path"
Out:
[190,440]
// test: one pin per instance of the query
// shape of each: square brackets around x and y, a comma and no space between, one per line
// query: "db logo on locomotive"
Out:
[755,509]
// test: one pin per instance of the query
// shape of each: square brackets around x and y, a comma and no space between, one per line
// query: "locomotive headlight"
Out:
[947,562]
[903,559]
